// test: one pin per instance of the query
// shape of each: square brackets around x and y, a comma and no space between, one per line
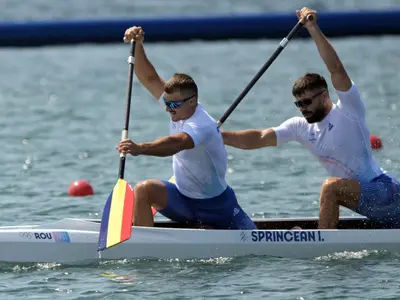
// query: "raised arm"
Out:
[144,70]
[339,77]
[250,138]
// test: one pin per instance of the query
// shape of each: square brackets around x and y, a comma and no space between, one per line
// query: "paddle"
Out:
[116,221]
[264,68]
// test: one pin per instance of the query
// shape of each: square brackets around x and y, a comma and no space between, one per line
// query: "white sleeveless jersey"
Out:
[340,141]
[200,172]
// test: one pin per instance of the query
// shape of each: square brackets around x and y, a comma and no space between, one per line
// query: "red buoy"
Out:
[376,142]
[80,188]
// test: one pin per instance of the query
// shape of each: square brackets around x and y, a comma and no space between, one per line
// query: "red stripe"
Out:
[126,227]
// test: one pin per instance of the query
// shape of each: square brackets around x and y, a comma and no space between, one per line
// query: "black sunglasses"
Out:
[176,104]
[307,101]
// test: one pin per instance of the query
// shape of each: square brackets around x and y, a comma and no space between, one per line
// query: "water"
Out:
[62,111]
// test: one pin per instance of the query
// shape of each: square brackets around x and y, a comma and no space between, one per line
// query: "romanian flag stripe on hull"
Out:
[116,225]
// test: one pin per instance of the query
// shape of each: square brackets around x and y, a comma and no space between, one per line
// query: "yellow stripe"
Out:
[116,213]
[172,179]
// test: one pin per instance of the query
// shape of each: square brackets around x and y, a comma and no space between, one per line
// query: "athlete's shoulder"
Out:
[202,118]
[293,129]
[296,121]
[351,101]
[352,92]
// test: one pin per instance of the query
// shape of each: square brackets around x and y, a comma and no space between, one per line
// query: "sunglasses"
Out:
[176,104]
[307,101]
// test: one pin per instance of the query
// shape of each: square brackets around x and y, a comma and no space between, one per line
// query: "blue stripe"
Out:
[248,26]
[104,225]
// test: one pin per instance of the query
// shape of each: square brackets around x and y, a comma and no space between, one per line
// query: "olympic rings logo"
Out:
[26,235]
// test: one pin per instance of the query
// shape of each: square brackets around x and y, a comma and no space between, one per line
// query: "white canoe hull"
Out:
[75,240]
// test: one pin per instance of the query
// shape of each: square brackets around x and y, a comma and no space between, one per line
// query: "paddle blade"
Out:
[116,221]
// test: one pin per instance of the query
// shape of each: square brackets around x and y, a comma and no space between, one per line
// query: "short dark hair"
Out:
[181,83]
[309,81]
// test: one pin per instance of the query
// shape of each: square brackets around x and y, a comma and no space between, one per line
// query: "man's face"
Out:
[311,105]
[178,106]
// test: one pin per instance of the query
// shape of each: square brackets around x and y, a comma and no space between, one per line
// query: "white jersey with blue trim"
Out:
[340,141]
[200,172]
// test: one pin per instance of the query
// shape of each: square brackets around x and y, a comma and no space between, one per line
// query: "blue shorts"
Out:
[380,200]
[221,212]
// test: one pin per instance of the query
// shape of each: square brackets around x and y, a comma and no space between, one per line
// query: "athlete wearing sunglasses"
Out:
[176,104]
[304,102]
[200,195]
[337,135]
[314,105]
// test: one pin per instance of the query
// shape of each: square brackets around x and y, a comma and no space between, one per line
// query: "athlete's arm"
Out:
[250,138]
[340,80]
[144,69]
[167,146]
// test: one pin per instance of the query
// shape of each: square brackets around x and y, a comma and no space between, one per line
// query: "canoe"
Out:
[75,241]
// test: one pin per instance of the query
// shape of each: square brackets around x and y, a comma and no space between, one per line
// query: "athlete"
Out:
[338,136]
[200,194]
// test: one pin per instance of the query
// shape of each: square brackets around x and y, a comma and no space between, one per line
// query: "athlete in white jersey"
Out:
[337,135]
[200,195]
[200,172]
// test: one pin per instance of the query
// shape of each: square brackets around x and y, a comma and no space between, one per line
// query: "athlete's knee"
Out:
[149,190]
[142,187]
[330,189]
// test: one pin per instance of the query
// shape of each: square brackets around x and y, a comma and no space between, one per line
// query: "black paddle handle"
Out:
[281,46]
[131,62]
